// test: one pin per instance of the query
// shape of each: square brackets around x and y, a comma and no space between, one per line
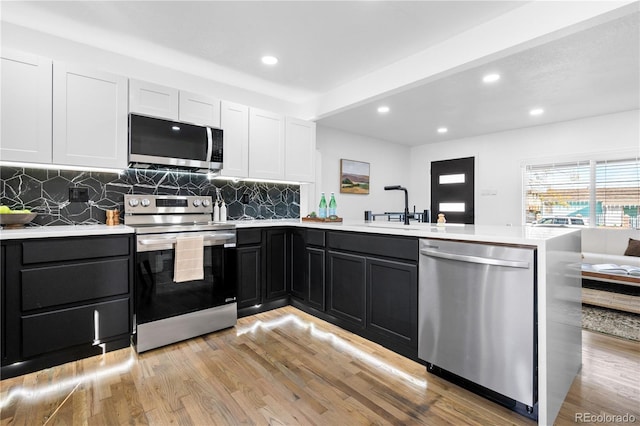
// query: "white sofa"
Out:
[601,245]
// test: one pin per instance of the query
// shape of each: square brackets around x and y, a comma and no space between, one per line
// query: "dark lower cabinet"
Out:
[52,331]
[3,319]
[262,269]
[308,268]
[64,299]
[249,275]
[365,283]
[392,300]
[298,265]
[346,286]
[277,263]
[372,287]
[316,277]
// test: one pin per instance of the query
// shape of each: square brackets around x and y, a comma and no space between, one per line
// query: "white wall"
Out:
[389,165]
[499,157]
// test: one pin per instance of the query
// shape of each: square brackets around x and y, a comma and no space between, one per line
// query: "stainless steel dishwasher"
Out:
[477,319]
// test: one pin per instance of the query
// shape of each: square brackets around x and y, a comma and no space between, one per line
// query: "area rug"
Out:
[609,321]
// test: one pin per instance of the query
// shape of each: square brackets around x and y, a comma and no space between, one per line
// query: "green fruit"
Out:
[5,209]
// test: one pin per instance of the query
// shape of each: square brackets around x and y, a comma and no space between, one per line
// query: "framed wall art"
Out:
[354,177]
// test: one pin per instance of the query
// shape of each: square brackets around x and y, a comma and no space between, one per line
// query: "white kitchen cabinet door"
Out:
[26,108]
[199,109]
[153,99]
[300,150]
[234,122]
[266,144]
[89,117]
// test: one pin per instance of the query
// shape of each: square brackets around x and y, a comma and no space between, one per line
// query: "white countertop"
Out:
[62,231]
[520,235]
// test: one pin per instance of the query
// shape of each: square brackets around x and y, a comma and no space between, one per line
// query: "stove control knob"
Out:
[196,203]
[133,202]
[145,202]
[205,203]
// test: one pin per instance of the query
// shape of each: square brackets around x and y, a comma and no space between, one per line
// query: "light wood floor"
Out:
[286,367]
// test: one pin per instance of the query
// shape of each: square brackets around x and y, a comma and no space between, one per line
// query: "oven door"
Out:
[159,297]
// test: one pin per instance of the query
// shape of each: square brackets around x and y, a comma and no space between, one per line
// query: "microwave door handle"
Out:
[209,144]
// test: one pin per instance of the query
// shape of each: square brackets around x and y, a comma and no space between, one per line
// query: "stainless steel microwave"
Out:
[159,143]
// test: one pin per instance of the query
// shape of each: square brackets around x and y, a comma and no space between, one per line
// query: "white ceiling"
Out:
[593,72]
[325,45]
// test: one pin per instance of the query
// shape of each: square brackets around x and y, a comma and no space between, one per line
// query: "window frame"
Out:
[593,162]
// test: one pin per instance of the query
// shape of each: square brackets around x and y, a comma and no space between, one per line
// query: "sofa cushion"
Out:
[608,245]
[633,249]
[595,258]
[608,240]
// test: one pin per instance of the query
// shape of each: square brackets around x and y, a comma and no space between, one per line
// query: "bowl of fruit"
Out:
[15,218]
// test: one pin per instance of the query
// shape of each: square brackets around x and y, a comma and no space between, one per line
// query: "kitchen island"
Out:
[558,287]
[389,246]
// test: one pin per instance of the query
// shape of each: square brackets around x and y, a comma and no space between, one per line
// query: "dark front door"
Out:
[452,190]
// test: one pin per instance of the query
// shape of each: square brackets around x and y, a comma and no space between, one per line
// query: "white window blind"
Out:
[617,193]
[557,190]
[603,193]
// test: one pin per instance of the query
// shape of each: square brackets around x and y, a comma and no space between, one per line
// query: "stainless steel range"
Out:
[184,285]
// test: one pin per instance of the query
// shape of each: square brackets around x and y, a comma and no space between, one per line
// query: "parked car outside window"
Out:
[559,221]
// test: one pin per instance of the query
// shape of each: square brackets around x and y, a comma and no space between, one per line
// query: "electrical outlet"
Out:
[78,195]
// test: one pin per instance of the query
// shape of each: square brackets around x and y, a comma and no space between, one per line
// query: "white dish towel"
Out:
[189,255]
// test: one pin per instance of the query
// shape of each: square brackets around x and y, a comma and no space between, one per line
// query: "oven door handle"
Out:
[172,240]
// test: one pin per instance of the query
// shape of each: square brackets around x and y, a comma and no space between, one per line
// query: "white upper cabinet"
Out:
[89,117]
[153,99]
[166,102]
[199,109]
[266,145]
[25,118]
[300,150]
[235,124]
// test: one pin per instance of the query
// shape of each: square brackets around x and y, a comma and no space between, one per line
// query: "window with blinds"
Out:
[617,194]
[557,190]
[597,193]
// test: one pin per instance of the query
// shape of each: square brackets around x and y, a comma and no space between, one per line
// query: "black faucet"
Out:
[406,200]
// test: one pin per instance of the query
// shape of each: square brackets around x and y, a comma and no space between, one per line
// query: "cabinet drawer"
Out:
[248,236]
[60,249]
[315,237]
[60,284]
[386,246]
[51,331]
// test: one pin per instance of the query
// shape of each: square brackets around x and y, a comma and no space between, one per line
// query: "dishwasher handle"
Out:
[475,259]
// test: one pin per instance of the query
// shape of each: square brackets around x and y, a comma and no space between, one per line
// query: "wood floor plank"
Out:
[287,367]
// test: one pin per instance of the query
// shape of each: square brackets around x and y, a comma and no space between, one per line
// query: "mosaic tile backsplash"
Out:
[46,192]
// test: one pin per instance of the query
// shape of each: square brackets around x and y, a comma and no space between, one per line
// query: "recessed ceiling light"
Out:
[175,128]
[383,109]
[491,78]
[442,130]
[269,60]
[536,111]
